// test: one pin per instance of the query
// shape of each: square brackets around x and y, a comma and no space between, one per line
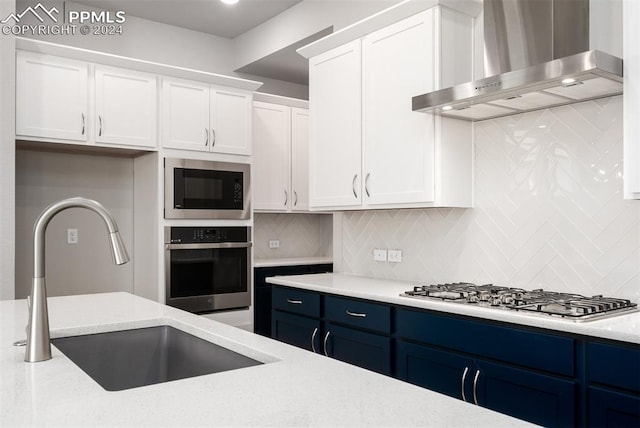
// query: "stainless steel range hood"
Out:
[545,43]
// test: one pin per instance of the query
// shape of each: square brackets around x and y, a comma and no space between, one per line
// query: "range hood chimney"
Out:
[537,56]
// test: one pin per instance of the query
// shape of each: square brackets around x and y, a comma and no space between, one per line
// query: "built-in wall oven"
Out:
[200,189]
[208,268]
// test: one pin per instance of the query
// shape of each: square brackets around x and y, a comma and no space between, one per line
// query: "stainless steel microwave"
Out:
[206,190]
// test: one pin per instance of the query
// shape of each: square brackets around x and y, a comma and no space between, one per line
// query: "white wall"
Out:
[43,178]
[300,235]
[7,155]
[549,212]
[301,21]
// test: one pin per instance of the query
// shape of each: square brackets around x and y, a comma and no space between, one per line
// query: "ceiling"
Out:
[207,16]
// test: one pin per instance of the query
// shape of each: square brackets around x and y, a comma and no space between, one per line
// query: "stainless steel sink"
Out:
[131,358]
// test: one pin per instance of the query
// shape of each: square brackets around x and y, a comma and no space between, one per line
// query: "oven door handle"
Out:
[204,246]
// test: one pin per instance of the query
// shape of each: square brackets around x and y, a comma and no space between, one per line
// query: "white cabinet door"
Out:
[271,162]
[126,107]
[185,115]
[299,159]
[51,97]
[398,63]
[335,128]
[230,121]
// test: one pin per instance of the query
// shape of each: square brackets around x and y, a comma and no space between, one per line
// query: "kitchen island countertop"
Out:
[293,387]
[625,327]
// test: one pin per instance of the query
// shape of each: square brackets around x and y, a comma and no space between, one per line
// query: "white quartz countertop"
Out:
[293,388]
[292,261]
[624,328]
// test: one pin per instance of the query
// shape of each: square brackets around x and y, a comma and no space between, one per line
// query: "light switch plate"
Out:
[395,256]
[379,255]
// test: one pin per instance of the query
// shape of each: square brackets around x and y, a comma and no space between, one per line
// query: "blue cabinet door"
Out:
[609,408]
[544,400]
[295,330]
[440,371]
[367,350]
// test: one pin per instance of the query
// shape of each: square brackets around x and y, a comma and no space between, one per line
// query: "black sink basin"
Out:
[131,358]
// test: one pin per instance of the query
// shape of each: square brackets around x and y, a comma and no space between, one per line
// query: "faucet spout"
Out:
[38,338]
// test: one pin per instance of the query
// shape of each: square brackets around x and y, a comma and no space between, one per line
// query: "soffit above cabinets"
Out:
[576,78]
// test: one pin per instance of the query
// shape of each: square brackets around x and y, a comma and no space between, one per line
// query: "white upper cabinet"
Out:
[335,149]
[51,97]
[368,148]
[271,157]
[126,107]
[399,144]
[299,159]
[185,114]
[230,121]
[280,157]
[198,116]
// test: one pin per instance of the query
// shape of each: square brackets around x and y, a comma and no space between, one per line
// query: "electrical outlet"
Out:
[379,255]
[395,256]
[274,243]
[72,236]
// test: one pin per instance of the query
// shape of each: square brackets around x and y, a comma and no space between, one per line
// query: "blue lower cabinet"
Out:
[367,350]
[609,408]
[534,397]
[295,330]
[440,371]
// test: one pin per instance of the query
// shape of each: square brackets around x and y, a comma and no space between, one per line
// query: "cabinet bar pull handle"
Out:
[366,185]
[286,197]
[475,387]
[213,137]
[353,186]
[100,130]
[464,376]
[295,198]
[82,124]
[313,340]
[294,302]
[324,343]
[356,314]
[206,136]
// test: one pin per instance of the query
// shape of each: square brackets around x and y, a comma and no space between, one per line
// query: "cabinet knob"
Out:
[356,314]
[366,184]
[313,340]
[464,376]
[324,343]
[475,387]
[353,186]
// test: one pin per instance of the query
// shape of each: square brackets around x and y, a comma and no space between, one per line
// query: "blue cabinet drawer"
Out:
[358,313]
[554,354]
[296,301]
[617,366]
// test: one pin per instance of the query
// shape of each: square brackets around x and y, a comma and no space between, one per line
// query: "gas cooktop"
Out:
[563,305]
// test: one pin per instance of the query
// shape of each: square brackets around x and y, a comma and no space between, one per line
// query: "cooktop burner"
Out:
[564,305]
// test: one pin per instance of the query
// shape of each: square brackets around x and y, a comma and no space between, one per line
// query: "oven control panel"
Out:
[196,235]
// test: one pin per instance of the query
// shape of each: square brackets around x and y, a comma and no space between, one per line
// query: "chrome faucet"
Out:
[38,339]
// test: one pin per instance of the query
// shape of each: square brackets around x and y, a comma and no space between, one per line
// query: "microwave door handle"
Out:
[206,246]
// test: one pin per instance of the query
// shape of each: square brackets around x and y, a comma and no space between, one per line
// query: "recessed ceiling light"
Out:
[229,1]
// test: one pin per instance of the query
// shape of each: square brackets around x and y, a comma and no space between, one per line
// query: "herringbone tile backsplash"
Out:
[548,213]
[300,235]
